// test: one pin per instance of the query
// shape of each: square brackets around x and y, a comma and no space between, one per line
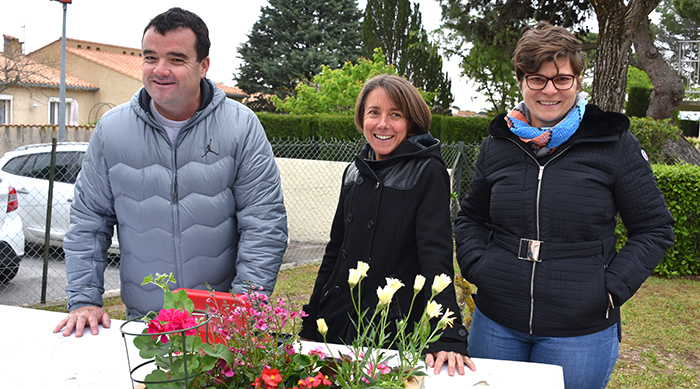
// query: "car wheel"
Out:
[9,263]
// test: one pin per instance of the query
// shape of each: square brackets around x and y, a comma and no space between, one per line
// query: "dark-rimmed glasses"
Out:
[560,81]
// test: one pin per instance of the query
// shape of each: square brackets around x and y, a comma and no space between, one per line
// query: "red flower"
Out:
[272,377]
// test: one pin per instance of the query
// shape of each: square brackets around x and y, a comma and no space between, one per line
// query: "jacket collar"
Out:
[204,85]
[417,146]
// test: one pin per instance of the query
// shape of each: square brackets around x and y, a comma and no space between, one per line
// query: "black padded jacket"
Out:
[566,203]
[394,215]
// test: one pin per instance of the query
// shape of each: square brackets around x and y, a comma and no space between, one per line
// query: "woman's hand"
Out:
[453,359]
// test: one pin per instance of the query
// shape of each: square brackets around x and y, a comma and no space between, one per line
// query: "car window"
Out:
[14,165]
[39,166]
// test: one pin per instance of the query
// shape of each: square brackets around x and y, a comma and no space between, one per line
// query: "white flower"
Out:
[322,326]
[447,319]
[418,283]
[440,283]
[363,268]
[433,309]
[385,294]
[394,284]
[353,277]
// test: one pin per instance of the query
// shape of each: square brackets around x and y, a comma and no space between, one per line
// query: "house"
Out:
[99,76]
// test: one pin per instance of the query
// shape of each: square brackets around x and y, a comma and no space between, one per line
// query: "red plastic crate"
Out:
[200,297]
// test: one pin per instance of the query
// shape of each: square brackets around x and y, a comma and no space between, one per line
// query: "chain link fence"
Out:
[311,172]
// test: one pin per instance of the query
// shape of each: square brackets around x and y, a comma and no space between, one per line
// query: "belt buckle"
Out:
[529,250]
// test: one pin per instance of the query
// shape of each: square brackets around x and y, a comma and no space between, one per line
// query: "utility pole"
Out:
[62,88]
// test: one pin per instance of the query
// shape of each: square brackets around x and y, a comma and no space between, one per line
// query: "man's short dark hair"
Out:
[175,18]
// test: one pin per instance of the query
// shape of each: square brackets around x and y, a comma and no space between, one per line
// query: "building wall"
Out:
[31,106]
[115,87]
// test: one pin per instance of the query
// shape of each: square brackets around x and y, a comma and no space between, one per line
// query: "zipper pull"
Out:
[539,176]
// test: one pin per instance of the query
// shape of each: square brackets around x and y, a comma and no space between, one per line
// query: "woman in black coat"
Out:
[393,214]
[536,231]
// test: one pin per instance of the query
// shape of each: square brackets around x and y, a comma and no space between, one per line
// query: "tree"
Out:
[293,39]
[18,70]
[336,90]
[484,34]
[621,23]
[392,26]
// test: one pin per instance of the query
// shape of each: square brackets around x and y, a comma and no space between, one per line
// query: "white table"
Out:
[32,356]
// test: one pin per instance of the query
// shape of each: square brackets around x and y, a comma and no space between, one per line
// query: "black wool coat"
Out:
[393,214]
[567,201]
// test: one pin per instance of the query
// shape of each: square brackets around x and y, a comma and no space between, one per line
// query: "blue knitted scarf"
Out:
[546,139]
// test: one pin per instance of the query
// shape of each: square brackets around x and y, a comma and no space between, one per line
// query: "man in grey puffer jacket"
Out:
[189,178]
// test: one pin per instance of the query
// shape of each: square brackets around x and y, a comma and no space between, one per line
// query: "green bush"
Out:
[680,185]
[689,127]
[459,129]
[288,126]
[342,127]
[638,101]
[652,135]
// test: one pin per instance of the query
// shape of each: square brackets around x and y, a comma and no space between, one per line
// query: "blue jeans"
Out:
[587,360]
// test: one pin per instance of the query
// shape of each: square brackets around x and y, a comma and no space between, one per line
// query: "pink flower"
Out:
[318,351]
[172,320]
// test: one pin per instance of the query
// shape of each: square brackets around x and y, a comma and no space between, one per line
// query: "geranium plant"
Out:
[180,355]
[248,346]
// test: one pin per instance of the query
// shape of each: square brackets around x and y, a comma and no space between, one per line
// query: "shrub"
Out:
[653,135]
[679,185]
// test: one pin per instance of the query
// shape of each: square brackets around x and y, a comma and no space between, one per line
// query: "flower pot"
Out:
[138,365]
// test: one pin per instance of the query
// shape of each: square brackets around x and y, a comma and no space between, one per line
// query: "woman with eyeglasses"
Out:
[536,231]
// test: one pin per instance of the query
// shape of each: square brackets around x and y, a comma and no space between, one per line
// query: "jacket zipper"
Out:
[540,174]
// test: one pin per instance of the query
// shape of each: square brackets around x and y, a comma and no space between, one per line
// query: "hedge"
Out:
[680,185]
[341,127]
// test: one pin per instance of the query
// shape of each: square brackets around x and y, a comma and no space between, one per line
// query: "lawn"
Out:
[660,329]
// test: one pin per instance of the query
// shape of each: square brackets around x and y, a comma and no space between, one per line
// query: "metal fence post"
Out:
[457,176]
[47,236]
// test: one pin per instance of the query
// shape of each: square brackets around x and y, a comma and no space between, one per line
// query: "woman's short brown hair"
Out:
[404,95]
[546,43]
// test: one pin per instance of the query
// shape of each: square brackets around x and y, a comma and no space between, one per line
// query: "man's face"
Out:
[171,73]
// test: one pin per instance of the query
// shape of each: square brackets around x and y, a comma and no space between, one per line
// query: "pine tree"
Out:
[293,39]
[392,26]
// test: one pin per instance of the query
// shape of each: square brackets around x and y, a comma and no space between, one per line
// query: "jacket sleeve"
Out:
[648,221]
[471,232]
[435,253]
[89,235]
[330,257]
[262,218]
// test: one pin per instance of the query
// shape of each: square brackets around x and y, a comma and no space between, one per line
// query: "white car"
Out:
[11,236]
[27,168]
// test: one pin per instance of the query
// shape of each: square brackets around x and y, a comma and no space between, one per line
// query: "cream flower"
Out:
[433,309]
[418,283]
[394,284]
[363,268]
[354,277]
[385,294]
[440,283]
[447,319]
[322,326]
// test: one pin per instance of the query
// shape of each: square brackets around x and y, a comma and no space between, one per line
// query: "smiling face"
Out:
[383,124]
[549,105]
[171,72]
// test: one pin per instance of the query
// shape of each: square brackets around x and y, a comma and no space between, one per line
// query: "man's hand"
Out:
[90,315]
[453,359]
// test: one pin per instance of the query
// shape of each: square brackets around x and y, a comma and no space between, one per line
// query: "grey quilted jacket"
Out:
[209,209]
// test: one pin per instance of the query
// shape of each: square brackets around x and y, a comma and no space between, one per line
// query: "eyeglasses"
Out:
[560,81]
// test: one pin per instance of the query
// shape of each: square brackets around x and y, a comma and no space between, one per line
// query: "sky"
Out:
[40,22]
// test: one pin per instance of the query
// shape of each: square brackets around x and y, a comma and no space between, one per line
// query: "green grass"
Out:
[660,328]
[660,336]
